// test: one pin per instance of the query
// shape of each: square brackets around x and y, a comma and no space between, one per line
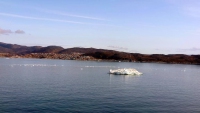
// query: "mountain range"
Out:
[98,54]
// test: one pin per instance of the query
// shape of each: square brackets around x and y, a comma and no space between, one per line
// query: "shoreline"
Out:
[83,58]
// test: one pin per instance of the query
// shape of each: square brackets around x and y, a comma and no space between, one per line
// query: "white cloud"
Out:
[67,14]
[8,31]
[49,19]
[118,47]
[188,7]
[190,49]
[162,50]
[5,32]
[193,11]
[19,32]
[37,18]
[196,32]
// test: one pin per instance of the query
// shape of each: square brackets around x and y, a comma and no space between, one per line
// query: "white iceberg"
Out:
[125,72]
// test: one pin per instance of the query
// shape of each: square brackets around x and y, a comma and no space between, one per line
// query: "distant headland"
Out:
[91,54]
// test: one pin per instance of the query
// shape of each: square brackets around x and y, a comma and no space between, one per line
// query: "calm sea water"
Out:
[49,86]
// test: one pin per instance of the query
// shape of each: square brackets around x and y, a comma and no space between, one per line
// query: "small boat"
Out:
[125,72]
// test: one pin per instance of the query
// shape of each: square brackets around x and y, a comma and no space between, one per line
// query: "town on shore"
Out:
[91,54]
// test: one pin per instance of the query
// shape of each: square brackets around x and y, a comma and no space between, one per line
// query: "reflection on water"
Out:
[124,77]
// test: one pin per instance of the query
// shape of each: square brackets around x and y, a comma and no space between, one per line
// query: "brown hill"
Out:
[49,49]
[57,52]
[80,50]
[5,50]
[17,49]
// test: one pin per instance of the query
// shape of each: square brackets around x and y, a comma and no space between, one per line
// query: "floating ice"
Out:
[100,66]
[125,72]
[33,65]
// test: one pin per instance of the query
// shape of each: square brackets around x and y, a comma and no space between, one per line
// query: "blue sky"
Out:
[142,26]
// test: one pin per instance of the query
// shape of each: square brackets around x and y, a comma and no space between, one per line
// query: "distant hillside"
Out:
[10,46]
[81,50]
[17,49]
[57,52]
[49,49]
[5,50]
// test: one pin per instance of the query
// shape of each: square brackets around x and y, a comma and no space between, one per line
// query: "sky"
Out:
[135,26]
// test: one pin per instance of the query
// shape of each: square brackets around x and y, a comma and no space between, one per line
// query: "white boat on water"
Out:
[124,72]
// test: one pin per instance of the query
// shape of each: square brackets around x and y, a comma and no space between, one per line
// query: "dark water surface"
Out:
[49,86]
